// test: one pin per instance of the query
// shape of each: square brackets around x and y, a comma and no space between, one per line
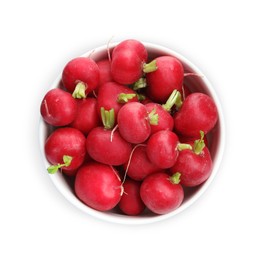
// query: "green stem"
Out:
[107,117]
[124,98]
[175,178]
[141,83]
[199,144]
[181,147]
[150,67]
[66,162]
[141,97]
[80,90]
[174,99]
[154,117]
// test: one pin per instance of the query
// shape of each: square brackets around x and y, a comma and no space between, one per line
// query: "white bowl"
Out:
[216,138]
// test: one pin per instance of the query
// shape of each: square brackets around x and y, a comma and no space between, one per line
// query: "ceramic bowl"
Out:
[216,142]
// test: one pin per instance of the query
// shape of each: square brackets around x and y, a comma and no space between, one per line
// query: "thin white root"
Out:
[116,173]
[129,161]
[91,53]
[193,74]
[122,190]
[112,132]
[94,93]
[46,108]
[183,92]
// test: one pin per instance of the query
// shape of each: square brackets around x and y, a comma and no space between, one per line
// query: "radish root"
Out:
[92,51]
[46,107]
[94,93]
[117,175]
[129,161]
[183,92]
[193,74]
[112,132]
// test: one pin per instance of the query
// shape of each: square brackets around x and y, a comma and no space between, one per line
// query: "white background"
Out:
[223,38]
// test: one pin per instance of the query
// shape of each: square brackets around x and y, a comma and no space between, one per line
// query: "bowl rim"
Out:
[58,180]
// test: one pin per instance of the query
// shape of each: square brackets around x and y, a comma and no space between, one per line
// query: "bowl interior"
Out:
[216,141]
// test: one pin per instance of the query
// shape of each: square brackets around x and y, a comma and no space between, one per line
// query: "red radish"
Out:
[162,149]
[131,44]
[72,173]
[126,67]
[165,120]
[114,95]
[128,62]
[87,117]
[168,77]
[80,76]
[134,122]
[162,193]
[105,145]
[198,112]
[98,186]
[140,166]
[131,203]
[102,149]
[65,149]
[195,166]
[58,107]
[105,71]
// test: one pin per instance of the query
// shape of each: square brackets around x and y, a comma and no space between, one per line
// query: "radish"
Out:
[168,77]
[162,193]
[105,145]
[140,166]
[131,203]
[162,149]
[112,95]
[165,120]
[58,107]
[129,62]
[65,149]
[104,150]
[126,67]
[104,71]
[72,173]
[134,122]
[87,117]
[131,44]
[80,76]
[198,112]
[195,166]
[98,186]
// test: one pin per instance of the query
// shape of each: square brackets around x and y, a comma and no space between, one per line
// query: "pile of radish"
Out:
[128,131]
